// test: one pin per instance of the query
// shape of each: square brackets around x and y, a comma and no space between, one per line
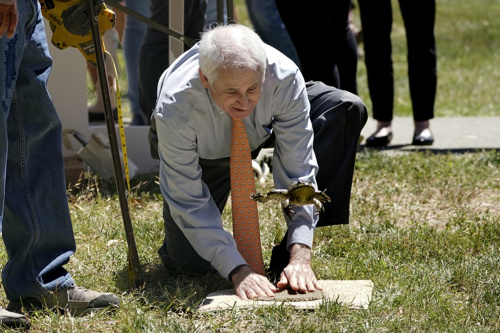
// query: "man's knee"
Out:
[329,103]
[327,98]
[357,109]
[352,102]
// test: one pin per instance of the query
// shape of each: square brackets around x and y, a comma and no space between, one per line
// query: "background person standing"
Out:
[376,22]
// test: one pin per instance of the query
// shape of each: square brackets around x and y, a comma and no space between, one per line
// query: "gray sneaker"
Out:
[75,300]
[13,320]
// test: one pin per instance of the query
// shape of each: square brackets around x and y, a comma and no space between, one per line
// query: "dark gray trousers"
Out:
[337,117]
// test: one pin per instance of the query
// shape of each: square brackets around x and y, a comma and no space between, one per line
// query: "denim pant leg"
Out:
[132,41]
[154,54]
[37,229]
[211,13]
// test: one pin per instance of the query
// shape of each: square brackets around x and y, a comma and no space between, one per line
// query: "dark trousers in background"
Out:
[376,21]
[325,44]
[338,118]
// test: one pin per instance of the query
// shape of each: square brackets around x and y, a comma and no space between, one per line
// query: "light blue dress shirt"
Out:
[191,126]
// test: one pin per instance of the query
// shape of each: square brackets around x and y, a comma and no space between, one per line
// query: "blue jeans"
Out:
[155,50]
[211,13]
[34,213]
[268,24]
[132,41]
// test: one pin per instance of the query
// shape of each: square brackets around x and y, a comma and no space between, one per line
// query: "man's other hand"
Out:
[249,285]
[298,275]
[8,19]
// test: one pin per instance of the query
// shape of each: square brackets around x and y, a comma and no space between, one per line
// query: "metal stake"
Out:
[135,273]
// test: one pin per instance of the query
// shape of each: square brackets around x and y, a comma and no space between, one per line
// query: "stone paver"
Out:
[355,294]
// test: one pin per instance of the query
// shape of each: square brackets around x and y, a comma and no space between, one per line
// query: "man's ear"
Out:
[204,79]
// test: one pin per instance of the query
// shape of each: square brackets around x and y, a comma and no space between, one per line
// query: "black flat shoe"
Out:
[380,141]
[422,140]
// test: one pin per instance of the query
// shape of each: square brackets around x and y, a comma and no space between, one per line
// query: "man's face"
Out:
[236,92]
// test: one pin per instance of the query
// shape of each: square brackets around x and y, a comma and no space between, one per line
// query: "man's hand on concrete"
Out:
[298,275]
[8,19]
[249,285]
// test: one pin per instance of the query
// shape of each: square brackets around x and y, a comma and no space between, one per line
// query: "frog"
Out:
[299,193]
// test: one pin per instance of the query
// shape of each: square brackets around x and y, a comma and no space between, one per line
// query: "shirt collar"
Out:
[215,108]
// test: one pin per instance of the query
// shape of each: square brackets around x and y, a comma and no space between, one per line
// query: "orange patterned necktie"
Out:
[245,214]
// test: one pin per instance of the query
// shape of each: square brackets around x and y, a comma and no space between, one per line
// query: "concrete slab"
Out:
[355,294]
[455,134]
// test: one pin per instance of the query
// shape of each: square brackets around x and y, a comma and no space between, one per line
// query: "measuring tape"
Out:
[120,124]
[70,24]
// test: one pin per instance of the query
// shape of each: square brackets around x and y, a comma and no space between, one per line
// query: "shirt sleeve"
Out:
[294,157]
[191,206]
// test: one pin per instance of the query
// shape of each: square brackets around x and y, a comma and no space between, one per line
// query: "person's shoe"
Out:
[13,320]
[425,138]
[378,141]
[75,300]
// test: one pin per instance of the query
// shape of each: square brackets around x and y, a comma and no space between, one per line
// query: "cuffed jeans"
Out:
[34,212]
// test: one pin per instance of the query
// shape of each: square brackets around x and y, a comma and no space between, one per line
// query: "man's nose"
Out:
[244,101]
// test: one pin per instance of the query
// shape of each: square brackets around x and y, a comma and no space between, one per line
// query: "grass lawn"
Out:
[425,228]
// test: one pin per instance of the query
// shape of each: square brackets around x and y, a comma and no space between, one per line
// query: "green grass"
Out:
[425,228]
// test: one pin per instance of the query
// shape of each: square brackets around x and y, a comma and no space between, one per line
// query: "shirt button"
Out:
[220,267]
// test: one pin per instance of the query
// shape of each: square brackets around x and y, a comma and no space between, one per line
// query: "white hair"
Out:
[233,46]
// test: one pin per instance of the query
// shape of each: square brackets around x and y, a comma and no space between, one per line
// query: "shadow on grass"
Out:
[91,184]
[172,291]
